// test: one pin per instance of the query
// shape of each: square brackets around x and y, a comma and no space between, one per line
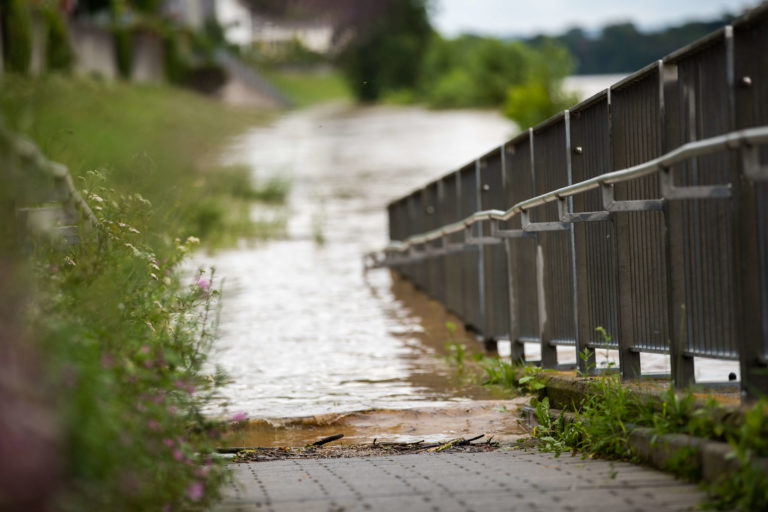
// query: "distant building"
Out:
[191,13]
[316,35]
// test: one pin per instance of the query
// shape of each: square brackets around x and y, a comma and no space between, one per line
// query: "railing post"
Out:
[482,306]
[752,310]
[548,349]
[750,208]
[681,365]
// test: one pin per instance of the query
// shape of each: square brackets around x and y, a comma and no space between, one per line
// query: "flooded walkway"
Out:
[303,331]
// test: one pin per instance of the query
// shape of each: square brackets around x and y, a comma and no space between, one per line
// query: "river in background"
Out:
[304,331]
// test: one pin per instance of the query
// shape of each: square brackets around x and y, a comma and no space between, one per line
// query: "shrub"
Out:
[127,340]
[18,36]
[174,63]
[59,54]
[123,38]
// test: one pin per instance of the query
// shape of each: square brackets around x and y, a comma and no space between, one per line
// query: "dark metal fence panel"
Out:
[751,109]
[433,220]
[493,196]
[474,298]
[701,237]
[416,225]
[636,132]
[550,172]
[398,226]
[595,242]
[453,261]
[521,252]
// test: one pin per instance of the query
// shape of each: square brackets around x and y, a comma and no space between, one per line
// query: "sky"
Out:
[524,18]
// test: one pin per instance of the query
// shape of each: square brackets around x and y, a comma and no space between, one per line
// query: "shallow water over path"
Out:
[303,331]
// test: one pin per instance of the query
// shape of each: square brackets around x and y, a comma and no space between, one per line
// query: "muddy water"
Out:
[304,332]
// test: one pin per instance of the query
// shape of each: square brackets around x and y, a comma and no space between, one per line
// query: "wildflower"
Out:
[240,416]
[168,442]
[107,361]
[134,230]
[153,424]
[54,269]
[195,491]
[193,240]
[204,284]
[202,472]
[177,454]
[144,349]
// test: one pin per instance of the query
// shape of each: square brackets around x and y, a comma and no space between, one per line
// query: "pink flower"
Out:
[202,472]
[168,442]
[195,491]
[144,349]
[107,361]
[153,424]
[54,269]
[240,416]
[177,455]
[204,284]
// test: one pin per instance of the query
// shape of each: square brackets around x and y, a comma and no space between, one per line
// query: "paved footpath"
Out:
[489,481]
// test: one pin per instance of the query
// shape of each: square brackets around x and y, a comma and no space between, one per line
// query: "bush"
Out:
[123,38]
[541,95]
[18,36]
[59,54]
[174,63]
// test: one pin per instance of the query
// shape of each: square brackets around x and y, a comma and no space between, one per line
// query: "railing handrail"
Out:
[732,140]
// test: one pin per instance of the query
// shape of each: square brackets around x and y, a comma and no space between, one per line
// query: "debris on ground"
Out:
[374,449]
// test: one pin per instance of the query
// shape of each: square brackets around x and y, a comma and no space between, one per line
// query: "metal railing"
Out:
[642,210]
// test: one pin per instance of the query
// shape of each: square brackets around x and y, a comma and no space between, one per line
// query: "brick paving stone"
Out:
[508,480]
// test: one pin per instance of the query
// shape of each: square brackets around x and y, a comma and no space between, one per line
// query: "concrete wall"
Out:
[94,49]
[148,58]
[39,41]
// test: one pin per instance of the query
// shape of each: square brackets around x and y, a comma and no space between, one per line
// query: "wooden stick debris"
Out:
[327,440]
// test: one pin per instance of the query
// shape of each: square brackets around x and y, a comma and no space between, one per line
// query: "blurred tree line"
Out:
[392,53]
[622,48]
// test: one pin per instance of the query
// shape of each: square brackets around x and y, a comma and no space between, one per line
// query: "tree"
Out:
[388,40]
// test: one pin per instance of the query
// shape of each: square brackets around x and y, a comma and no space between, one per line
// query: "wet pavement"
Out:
[507,480]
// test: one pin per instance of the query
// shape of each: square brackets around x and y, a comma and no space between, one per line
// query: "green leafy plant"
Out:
[18,35]
[59,54]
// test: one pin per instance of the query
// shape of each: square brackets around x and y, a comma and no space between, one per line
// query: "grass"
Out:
[155,140]
[306,87]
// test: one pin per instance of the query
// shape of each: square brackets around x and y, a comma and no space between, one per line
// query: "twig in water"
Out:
[327,440]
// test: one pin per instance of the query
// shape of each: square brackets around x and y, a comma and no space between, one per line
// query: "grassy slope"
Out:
[156,140]
[305,88]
